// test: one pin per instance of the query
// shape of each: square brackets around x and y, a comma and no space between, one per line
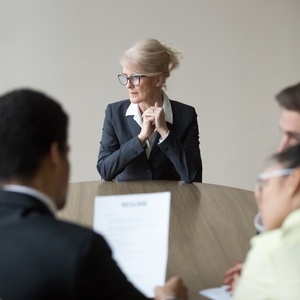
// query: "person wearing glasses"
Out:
[149,136]
[289,124]
[272,267]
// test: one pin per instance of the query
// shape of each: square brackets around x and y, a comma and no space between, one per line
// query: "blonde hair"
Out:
[150,57]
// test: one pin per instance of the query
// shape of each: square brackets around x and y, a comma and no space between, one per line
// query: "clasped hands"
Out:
[153,118]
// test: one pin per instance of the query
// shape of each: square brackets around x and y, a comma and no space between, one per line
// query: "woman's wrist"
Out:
[142,140]
[162,138]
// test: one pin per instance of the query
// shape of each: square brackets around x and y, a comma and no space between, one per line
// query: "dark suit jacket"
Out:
[122,156]
[43,258]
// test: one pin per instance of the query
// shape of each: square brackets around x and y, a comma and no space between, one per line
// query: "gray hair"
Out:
[151,57]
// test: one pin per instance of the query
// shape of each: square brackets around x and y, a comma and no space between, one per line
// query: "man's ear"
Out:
[55,153]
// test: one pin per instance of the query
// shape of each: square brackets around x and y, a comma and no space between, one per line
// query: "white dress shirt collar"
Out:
[133,110]
[167,109]
[46,200]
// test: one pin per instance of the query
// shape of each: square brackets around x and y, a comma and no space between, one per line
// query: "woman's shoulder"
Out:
[120,103]
[182,107]
[181,104]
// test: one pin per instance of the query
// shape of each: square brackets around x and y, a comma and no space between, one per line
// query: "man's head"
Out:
[289,123]
[33,142]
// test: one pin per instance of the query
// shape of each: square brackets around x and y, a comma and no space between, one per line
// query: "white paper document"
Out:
[136,228]
[219,293]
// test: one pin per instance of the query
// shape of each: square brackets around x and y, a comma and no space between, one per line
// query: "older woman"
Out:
[272,267]
[149,136]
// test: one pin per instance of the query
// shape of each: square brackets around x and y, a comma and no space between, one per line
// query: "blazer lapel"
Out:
[134,126]
[135,129]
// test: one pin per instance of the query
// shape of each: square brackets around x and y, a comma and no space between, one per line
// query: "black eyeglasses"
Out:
[134,79]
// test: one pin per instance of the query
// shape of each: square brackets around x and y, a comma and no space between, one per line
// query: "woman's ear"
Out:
[160,80]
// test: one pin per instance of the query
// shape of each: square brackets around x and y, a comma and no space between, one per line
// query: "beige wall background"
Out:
[237,54]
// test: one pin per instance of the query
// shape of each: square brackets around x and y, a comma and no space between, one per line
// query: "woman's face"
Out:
[147,91]
[273,197]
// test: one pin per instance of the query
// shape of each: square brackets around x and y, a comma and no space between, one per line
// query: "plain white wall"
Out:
[237,54]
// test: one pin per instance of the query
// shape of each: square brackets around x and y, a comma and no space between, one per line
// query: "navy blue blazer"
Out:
[44,258]
[122,156]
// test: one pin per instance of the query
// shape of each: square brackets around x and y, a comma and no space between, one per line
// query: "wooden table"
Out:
[210,225]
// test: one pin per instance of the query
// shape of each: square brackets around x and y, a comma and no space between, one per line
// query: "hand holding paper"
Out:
[232,276]
[174,287]
[137,229]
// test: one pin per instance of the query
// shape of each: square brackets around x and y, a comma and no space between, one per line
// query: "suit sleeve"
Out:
[113,157]
[185,155]
[100,277]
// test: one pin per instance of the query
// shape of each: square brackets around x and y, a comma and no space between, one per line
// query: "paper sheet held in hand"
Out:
[218,293]
[137,229]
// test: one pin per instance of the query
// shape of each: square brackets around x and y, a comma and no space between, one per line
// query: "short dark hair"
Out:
[290,158]
[289,98]
[30,122]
